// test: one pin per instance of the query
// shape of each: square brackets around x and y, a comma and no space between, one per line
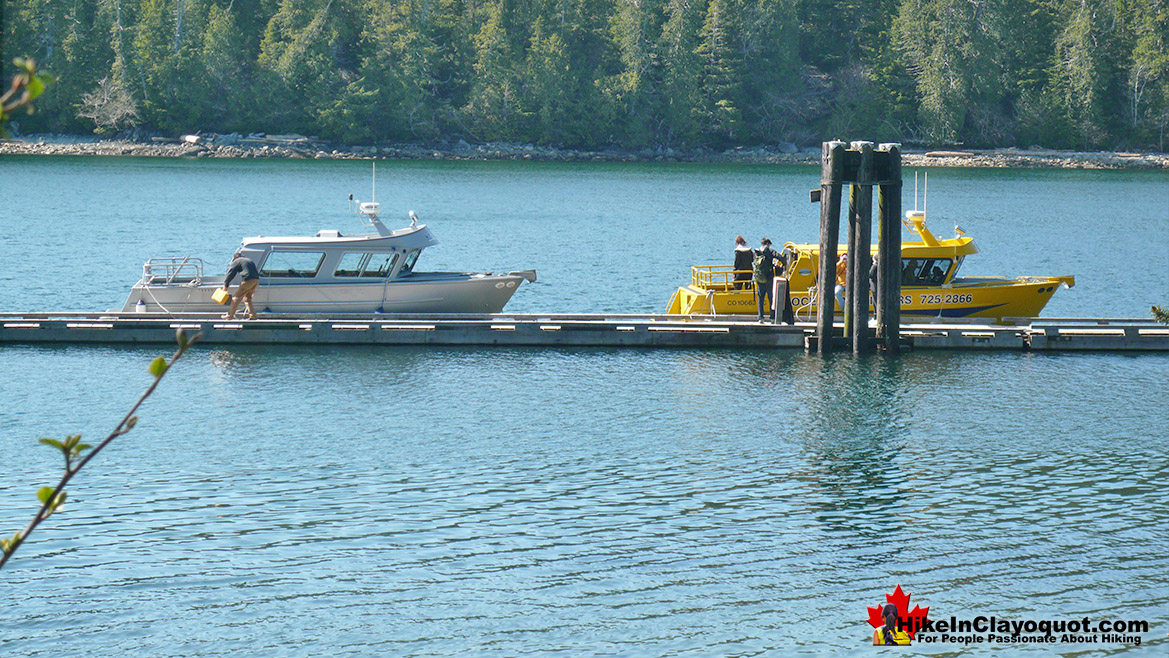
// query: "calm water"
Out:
[355,502]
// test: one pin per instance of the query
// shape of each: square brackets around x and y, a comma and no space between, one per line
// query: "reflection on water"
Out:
[575,501]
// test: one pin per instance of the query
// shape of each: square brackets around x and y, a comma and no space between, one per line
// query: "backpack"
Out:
[764,265]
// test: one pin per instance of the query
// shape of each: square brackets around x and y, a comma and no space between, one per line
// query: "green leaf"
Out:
[81,447]
[181,336]
[35,87]
[45,493]
[53,442]
[131,422]
[9,545]
[158,367]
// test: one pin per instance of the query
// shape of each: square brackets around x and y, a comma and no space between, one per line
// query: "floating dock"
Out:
[594,330]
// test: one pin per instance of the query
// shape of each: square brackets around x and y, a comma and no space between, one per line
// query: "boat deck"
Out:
[599,330]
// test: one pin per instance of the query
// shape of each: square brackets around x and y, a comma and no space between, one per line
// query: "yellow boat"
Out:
[930,285]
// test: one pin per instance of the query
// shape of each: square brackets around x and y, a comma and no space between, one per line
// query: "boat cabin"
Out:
[330,257]
[927,261]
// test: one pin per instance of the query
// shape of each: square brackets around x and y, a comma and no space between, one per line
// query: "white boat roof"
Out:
[411,237]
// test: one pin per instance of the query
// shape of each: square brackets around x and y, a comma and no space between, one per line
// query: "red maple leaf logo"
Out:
[909,621]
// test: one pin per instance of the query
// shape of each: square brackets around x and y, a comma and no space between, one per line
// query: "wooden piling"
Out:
[861,167]
[850,260]
[860,214]
[888,298]
[832,164]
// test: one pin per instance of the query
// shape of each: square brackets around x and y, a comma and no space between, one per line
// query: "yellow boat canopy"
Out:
[929,247]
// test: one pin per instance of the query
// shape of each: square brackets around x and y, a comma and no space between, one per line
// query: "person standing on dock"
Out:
[763,268]
[743,256]
[250,279]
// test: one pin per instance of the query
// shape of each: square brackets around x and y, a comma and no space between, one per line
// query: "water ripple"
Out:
[511,502]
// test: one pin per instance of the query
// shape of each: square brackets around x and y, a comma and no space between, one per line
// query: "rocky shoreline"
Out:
[299,147]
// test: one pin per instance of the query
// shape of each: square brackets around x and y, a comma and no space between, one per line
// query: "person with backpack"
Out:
[763,271]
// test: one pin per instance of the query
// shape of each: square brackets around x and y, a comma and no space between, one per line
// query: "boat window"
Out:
[957,264]
[351,264]
[380,265]
[411,258]
[299,264]
[924,271]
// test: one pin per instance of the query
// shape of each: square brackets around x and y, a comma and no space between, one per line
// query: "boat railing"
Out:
[718,277]
[172,269]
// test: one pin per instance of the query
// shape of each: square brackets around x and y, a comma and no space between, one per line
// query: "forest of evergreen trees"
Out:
[1081,74]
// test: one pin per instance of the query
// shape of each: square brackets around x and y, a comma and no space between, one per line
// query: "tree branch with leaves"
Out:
[27,84]
[78,454]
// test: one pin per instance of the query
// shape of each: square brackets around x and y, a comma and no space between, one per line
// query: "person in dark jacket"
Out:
[249,279]
[763,266]
[743,260]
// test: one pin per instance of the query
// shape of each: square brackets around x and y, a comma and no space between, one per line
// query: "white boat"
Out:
[331,273]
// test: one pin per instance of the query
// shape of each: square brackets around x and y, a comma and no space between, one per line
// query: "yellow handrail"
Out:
[718,277]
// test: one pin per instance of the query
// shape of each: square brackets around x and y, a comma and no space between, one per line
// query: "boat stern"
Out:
[688,300]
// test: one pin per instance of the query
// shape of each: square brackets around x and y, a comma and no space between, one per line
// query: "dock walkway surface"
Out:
[597,330]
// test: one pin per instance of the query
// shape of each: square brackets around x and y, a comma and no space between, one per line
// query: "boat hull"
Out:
[418,293]
[982,297]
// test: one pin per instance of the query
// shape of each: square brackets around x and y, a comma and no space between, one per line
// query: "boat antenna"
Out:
[925,196]
[373,191]
[371,209]
[915,190]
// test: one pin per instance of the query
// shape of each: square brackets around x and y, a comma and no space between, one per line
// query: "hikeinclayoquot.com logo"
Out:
[895,624]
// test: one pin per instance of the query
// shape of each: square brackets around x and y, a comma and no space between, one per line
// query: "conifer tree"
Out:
[682,72]
[494,109]
[720,110]
[1081,74]
[227,72]
[952,49]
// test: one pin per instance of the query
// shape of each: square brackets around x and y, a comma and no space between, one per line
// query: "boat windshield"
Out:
[924,271]
[380,265]
[411,258]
